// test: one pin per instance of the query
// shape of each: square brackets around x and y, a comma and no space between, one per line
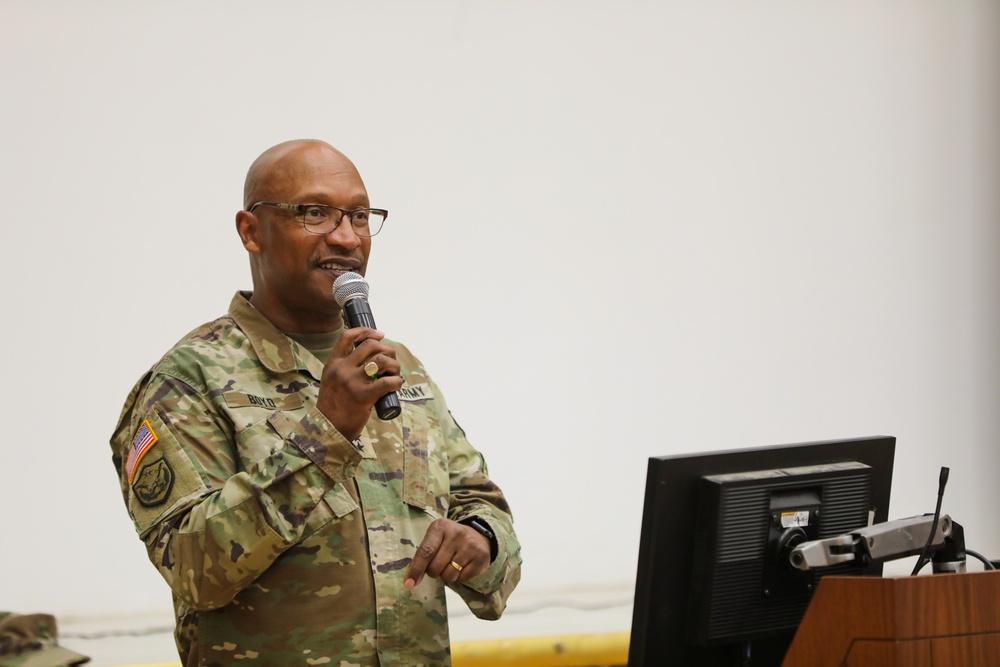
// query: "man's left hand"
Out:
[450,552]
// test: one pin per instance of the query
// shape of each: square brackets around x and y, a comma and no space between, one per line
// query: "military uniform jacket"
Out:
[283,542]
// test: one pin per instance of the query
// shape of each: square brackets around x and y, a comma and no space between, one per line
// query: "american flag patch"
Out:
[144,439]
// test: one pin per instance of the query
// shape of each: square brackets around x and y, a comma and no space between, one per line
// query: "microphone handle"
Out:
[357,313]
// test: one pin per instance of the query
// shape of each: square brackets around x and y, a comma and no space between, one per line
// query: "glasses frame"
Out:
[300,210]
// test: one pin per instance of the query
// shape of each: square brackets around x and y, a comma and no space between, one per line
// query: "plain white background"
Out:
[617,230]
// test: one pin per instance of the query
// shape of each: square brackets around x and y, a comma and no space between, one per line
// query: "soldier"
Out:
[291,523]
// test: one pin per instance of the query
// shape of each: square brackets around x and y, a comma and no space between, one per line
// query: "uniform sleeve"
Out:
[212,524]
[473,493]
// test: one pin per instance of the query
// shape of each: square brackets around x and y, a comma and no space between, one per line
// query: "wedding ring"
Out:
[371,369]
[456,566]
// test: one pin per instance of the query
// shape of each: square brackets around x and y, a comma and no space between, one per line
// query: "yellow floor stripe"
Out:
[555,651]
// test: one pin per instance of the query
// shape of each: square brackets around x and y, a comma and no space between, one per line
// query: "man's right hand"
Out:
[346,393]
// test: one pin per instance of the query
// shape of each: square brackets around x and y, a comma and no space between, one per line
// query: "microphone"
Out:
[922,559]
[350,291]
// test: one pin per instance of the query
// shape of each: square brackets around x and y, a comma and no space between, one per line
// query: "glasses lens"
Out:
[371,224]
[320,219]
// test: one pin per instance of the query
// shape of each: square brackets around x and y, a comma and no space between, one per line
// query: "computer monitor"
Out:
[714,587]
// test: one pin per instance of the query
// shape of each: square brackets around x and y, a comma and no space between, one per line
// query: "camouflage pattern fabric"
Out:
[284,543]
[30,640]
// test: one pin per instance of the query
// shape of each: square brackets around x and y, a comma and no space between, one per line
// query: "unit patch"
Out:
[143,441]
[153,483]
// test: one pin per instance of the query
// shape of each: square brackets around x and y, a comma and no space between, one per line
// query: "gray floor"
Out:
[147,640]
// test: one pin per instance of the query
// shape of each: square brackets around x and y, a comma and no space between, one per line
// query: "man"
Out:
[293,525]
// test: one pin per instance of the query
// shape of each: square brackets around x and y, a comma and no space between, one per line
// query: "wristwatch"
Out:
[483,528]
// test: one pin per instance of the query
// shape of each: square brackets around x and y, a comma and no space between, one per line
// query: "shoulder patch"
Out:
[154,482]
[143,441]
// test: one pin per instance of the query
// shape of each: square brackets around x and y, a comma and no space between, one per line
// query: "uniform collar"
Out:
[276,351]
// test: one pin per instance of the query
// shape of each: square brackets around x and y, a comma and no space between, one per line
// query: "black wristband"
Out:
[483,528]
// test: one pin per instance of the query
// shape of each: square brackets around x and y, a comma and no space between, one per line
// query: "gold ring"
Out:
[456,566]
[371,369]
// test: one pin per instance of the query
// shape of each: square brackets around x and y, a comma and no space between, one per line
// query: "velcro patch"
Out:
[415,392]
[144,439]
[154,482]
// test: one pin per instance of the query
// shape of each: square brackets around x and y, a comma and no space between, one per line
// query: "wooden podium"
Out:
[940,620]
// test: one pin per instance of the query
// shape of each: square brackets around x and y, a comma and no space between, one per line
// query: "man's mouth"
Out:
[338,265]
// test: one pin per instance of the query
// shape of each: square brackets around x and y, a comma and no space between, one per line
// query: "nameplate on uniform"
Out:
[235,399]
[413,393]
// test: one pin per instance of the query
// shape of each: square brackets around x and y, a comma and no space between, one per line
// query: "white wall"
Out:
[618,230]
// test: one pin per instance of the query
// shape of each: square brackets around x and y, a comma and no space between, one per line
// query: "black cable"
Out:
[987,563]
[923,559]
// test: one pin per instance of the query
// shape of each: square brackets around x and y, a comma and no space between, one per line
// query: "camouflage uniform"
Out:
[283,542]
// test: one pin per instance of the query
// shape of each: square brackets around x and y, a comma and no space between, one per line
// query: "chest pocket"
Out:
[256,437]
[424,458]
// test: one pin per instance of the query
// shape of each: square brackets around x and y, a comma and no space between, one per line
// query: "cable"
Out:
[987,563]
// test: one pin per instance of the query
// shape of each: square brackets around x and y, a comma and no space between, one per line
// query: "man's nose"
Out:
[343,234]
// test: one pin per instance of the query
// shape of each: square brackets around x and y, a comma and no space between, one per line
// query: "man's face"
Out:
[295,269]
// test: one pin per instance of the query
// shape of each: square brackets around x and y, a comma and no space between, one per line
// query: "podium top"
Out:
[941,619]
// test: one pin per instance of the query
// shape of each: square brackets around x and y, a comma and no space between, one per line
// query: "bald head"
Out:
[292,266]
[279,164]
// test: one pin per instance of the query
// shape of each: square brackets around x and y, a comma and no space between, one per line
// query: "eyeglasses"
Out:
[322,219]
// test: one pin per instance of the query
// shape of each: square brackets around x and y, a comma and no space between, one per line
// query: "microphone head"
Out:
[348,286]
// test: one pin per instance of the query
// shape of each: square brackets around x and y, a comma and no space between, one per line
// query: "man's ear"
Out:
[247,227]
